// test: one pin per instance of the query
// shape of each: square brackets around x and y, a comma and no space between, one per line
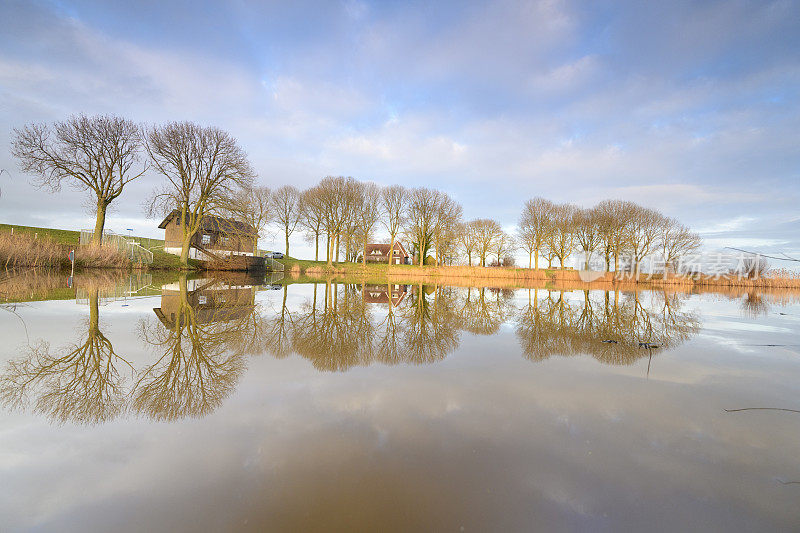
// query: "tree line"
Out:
[206,172]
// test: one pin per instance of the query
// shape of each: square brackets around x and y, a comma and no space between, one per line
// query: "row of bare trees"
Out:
[615,230]
[346,213]
[206,172]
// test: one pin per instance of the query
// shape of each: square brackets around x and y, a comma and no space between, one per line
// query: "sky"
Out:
[691,108]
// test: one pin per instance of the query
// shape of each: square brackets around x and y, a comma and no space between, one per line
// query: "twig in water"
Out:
[762,409]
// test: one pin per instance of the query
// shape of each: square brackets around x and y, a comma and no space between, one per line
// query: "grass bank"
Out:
[32,246]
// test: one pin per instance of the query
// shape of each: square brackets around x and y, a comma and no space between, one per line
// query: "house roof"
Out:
[383,248]
[215,224]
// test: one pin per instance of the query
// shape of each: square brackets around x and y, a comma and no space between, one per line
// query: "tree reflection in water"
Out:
[81,382]
[425,325]
[613,328]
[204,330]
[200,336]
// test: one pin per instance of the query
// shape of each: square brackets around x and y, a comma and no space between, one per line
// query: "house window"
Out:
[206,238]
[202,300]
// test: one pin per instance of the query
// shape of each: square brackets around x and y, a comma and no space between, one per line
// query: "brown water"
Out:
[231,404]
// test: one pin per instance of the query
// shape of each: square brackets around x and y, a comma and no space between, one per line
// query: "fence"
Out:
[272,265]
[135,252]
[134,286]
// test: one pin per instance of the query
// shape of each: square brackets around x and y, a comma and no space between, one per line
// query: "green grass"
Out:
[61,236]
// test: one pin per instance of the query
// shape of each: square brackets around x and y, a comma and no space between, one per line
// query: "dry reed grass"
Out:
[779,284]
[25,250]
[35,283]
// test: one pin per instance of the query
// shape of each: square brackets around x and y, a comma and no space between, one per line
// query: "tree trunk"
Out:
[536,260]
[94,313]
[336,256]
[391,250]
[187,241]
[99,224]
[364,254]
[328,248]
[316,246]
[287,241]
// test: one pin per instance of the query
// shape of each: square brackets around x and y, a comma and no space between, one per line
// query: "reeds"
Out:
[32,284]
[25,250]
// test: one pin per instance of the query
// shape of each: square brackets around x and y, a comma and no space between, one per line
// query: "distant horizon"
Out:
[691,109]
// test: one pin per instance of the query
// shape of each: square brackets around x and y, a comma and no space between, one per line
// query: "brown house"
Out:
[218,236]
[379,253]
[384,294]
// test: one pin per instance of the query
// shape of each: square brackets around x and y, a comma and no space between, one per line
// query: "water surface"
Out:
[133,404]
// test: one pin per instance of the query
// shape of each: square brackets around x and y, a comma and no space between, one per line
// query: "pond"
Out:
[236,403]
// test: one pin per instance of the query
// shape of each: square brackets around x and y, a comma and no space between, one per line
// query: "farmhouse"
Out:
[379,253]
[216,237]
[384,294]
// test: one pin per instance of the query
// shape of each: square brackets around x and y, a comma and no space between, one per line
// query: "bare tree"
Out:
[502,246]
[587,233]
[486,232]
[393,200]
[421,220]
[204,168]
[253,206]
[286,210]
[98,154]
[645,229]
[535,224]
[447,218]
[615,227]
[676,241]
[313,215]
[338,198]
[368,215]
[561,240]
[467,240]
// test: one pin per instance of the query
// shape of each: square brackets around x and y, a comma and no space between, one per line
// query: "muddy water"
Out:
[139,404]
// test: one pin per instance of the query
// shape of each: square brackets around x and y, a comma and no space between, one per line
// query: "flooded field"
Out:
[139,404]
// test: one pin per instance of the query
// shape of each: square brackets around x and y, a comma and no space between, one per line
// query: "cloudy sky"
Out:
[689,107]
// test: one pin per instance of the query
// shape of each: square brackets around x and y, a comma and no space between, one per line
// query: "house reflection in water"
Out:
[384,294]
[211,302]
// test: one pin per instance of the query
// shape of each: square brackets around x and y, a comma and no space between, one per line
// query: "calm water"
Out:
[202,404]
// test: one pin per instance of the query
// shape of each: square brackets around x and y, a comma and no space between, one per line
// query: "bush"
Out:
[430,261]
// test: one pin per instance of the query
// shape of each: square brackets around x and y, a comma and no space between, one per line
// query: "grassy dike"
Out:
[161,259]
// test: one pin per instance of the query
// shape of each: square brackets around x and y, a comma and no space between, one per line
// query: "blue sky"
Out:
[689,107]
